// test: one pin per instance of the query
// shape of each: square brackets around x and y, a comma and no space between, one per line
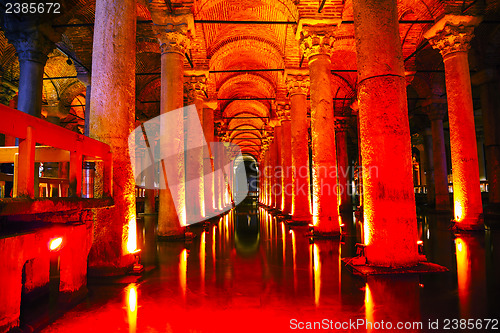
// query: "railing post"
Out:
[75,174]
[26,174]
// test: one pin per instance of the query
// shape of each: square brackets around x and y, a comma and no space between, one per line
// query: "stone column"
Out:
[277,170]
[208,165]
[488,82]
[390,224]
[286,158]
[298,87]
[316,43]
[436,112]
[429,167]
[343,164]
[32,47]
[113,78]
[174,35]
[451,36]
[195,87]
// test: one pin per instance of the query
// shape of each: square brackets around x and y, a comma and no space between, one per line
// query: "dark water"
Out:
[252,273]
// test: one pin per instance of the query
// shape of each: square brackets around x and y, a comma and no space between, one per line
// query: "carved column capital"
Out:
[341,124]
[30,44]
[297,84]
[316,36]
[435,111]
[174,32]
[283,111]
[195,87]
[452,34]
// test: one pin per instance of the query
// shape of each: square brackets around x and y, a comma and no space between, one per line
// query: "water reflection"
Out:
[251,271]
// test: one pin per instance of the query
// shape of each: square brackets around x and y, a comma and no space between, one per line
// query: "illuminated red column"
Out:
[451,36]
[298,86]
[316,43]
[390,224]
[173,34]
[343,164]
[277,172]
[436,112]
[195,86]
[208,166]
[113,79]
[286,159]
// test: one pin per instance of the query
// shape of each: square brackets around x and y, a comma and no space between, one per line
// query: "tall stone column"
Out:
[436,113]
[488,82]
[343,164]
[298,87]
[32,47]
[270,167]
[429,167]
[390,224]
[208,165]
[277,170]
[112,120]
[174,35]
[316,44]
[195,86]
[451,36]
[286,158]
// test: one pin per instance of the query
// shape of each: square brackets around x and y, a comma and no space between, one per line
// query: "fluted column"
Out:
[436,112]
[298,87]
[173,33]
[342,164]
[390,224]
[286,158]
[195,87]
[451,36]
[113,78]
[316,44]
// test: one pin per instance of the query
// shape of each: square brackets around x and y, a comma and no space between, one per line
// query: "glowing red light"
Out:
[55,244]
[420,242]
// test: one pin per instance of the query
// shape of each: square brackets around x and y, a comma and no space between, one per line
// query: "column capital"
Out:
[341,124]
[30,44]
[195,86]
[452,33]
[297,82]
[283,111]
[316,36]
[174,32]
[435,111]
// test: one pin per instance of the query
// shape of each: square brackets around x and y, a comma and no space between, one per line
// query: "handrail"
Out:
[31,131]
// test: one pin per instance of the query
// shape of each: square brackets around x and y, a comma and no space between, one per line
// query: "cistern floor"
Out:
[251,272]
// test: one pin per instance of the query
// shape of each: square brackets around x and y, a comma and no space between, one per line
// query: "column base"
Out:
[318,234]
[173,235]
[357,267]
[466,225]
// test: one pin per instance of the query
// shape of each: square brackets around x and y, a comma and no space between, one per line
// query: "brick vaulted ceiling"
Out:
[246,98]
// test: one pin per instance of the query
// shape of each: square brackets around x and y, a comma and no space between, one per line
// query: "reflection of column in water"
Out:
[132,307]
[392,299]
[316,261]
[471,275]
[214,230]
[283,241]
[183,272]
[202,260]
[294,248]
